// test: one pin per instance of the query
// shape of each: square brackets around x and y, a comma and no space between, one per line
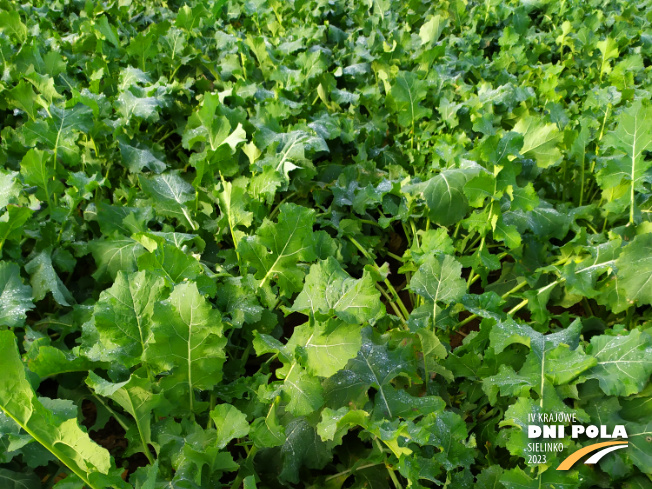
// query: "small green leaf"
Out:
[170,193]
[9,187]
[327,347]
[114,255]
[135,397]
[230,423]
[444,194]
[45,279]
[439,279]
[540,140]
[38,170]
[15,297]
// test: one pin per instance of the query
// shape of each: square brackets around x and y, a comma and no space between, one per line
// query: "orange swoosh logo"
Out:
[575,456]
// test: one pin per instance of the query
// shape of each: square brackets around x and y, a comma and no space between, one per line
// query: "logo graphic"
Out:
[603,449]
[547,432]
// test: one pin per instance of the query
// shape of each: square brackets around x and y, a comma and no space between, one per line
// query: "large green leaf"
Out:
[123,318]
[330,291]
[624,362]
[62,437]
[405,95]
[277,248]
[188,343]
[635,270]
[631,138]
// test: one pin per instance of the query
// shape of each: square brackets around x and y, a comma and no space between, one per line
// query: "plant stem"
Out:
[517,307]
[278,206]
[394,307]
[390,287]
[392,255]
[348,471]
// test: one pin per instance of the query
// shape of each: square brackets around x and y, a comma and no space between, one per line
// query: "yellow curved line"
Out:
[575,456]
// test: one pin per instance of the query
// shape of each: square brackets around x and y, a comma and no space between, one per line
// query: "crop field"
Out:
[325,244]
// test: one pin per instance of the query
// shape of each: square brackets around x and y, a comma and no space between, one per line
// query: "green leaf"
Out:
[330,291]
[405,95]
[60,132]
[114,255]
[19,480]
[375,366]
[326,347]
[631,138]
[634,267]
[62,437]
[135,397]
[304,392]
[230,423]
[553,357]
[302,448]
[444,195]
[170,193]
[45,279]
[169,262]
[517,479]
[11,23]
[232,201]
[448,433]
[12,223]
[23,97]
[38,170]
[431,29]
[188,343]
[137,158]
[277,248]
[207,126]
[51,361]
[9,187]
[624,362]
[539,140]
[130,105]
[335,424]
[268,432]
[290,151]
[123,318]
[15,297]
[439,279]
[397,403]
